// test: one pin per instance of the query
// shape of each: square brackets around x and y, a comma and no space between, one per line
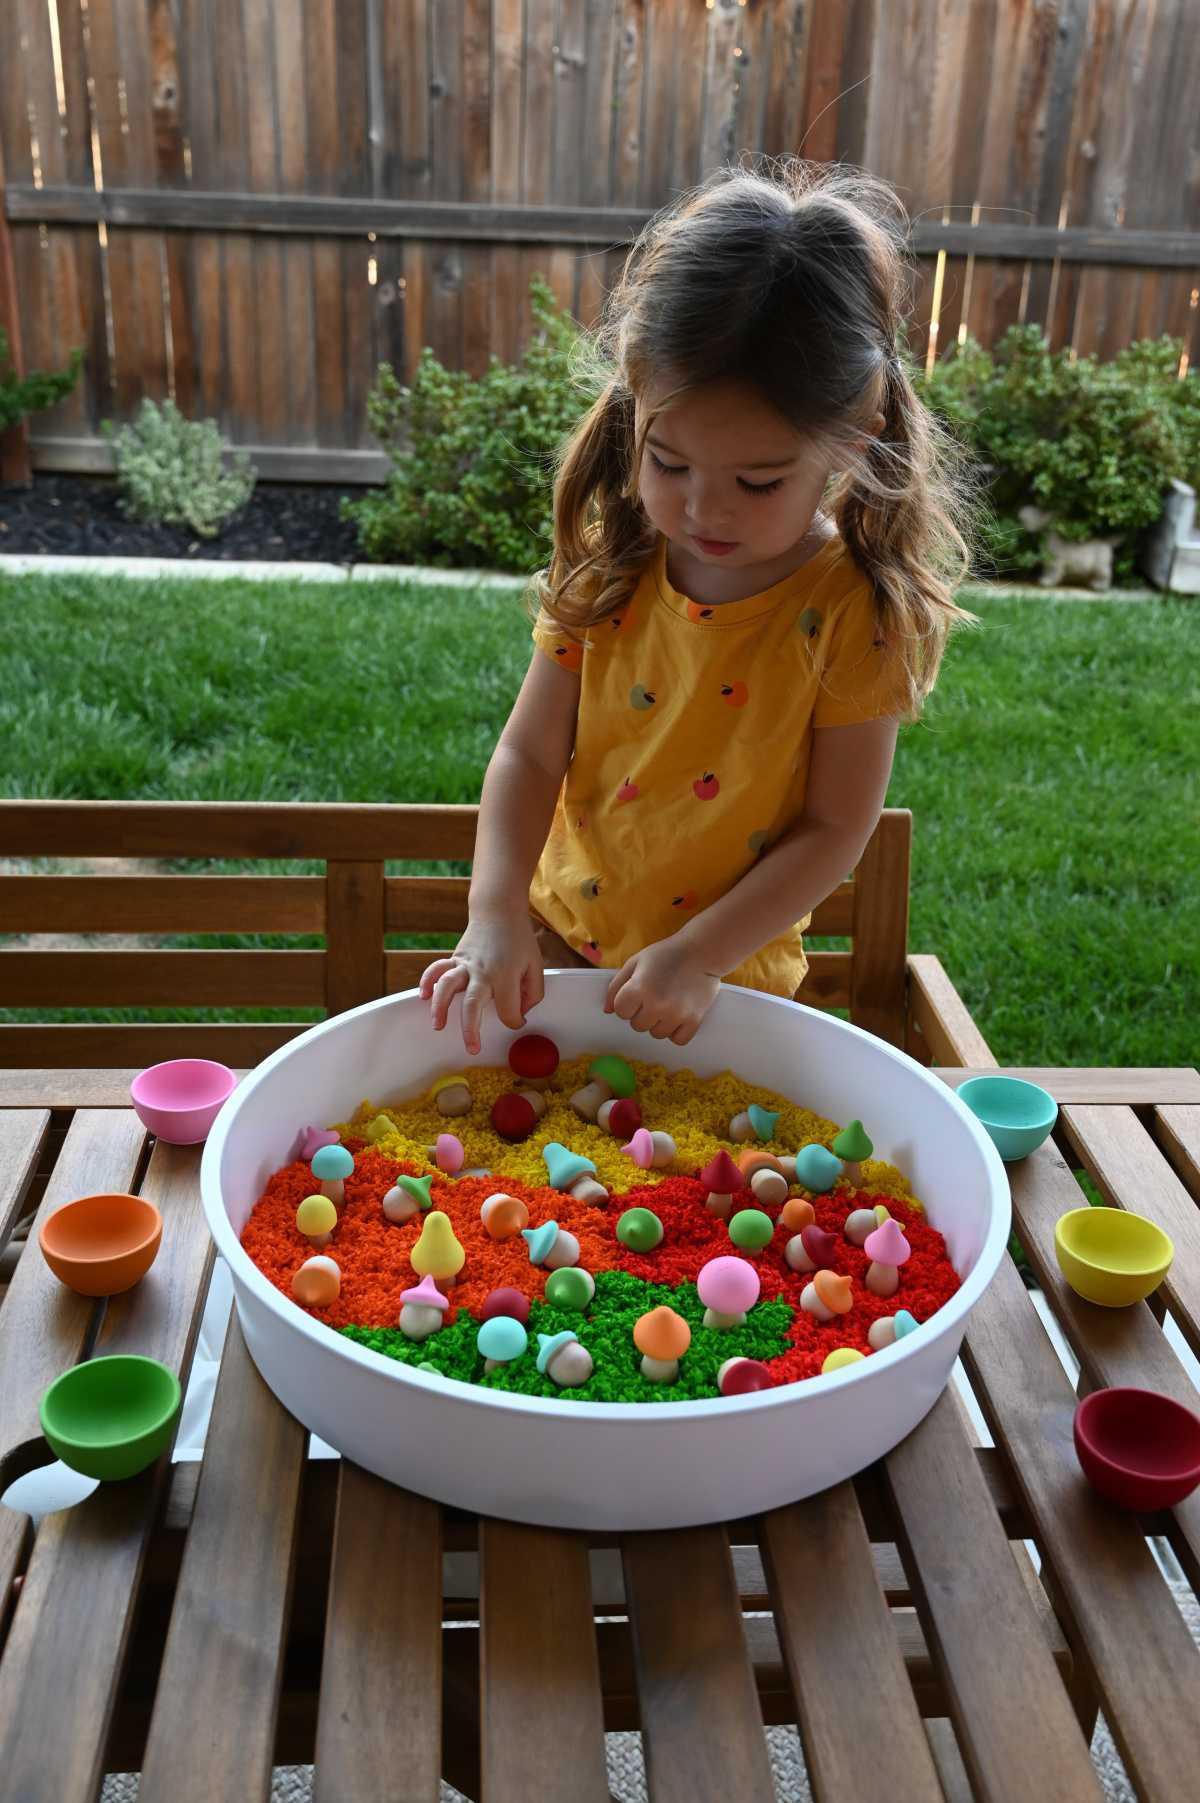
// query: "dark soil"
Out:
[80,516]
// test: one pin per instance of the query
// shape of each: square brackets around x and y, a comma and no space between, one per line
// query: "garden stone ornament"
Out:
[1074,563]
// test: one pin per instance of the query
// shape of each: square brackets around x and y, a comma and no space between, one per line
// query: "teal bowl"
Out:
[1018,1116]
[111,1417]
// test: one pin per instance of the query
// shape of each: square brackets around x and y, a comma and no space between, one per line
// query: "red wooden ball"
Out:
[506,1301]
[513,1116]
[533,1055]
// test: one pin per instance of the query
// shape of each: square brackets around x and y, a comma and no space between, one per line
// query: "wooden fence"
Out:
[249,204]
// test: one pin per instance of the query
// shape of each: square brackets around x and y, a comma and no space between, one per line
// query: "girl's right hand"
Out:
[497,959]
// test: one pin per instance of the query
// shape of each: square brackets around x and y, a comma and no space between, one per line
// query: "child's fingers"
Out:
[430,975]
[615,987]
[686,1032]
[506,996]
[472,1013]
[533,988]
[451,983]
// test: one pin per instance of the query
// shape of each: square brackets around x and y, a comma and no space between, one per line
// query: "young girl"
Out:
[757,537]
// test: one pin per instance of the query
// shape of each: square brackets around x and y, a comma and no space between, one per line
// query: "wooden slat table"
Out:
[200,1624]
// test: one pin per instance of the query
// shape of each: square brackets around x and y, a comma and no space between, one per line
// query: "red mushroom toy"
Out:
[534,1059]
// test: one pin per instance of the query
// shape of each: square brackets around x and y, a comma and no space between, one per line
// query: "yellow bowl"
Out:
[1111,1256]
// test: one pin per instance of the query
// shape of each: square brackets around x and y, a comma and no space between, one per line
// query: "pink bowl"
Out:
[179,1100]
[1138,1448]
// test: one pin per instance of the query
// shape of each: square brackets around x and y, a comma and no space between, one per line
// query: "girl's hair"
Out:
[793,281]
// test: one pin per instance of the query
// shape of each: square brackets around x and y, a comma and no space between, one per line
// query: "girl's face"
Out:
[726,479]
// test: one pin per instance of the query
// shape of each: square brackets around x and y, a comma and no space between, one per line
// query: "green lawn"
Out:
[1052,780]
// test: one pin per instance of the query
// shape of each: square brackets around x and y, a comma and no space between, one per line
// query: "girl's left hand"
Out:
[664,991]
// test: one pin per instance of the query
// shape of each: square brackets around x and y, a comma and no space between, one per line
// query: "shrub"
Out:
[39,389]
[1094,443]
[170,471]
[472,459]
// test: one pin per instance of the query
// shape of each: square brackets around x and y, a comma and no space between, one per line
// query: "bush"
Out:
[39,389]
[473,459]
[1094,443]
[171,473]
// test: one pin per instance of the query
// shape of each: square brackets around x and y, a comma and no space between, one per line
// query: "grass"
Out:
[1054,797]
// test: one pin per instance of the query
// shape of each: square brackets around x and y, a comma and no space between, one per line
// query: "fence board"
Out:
[239,141]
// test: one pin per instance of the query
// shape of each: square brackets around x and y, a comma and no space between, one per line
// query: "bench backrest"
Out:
[351,906]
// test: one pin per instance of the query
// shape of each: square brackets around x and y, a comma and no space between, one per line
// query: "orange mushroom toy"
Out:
[503,1216]
[828,1295]
[662,1337]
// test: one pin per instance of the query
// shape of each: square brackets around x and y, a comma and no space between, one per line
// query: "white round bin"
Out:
[607,1466]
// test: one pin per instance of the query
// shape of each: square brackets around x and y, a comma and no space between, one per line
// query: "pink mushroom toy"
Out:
[422,1309]
[448,1154]
[728,1287]
[887,1249]
[650,1150]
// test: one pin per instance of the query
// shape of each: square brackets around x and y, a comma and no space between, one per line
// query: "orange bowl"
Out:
[101,1245]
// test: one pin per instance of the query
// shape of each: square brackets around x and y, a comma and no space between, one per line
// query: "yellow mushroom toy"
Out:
[437,1253]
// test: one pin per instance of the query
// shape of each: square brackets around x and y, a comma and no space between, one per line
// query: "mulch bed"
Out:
[80,516]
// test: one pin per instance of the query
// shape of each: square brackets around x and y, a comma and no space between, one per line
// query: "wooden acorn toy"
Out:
[620,1116]
[852,1146]
[827,1295]
[887,1249]
[503,1216]
[406,1196]
[551,1245]
[563,1359]
[723,1180]
[317,1283]
[859,1224]
[652,1151]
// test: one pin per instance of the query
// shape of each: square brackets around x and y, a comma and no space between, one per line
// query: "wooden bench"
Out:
[353,905]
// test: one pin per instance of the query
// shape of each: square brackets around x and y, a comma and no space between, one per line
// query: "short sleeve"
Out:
[861,679]
[559,646]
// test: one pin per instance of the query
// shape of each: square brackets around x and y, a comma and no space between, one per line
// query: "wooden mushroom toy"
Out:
[317,1283]
[551,1245]
[728,1288]
[860,1222]
[514,1116]
[503,1216]
[652,1151]
[722,1178]
[500,1339]
[422,1310]
[316,1219]
[534,1059]
[447,1154]
[887,1249]
[741,1376]
[452,1096]
[852,1145]
[572,1173]
[812,1249]
[437,1253]
[331,1165]
[662,1337]
[406,1196]
[620,1116]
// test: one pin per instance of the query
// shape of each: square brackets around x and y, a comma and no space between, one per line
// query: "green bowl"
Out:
[1018,1116]
[111,1417]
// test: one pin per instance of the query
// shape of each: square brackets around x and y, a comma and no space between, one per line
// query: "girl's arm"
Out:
[669,987]
[497,957]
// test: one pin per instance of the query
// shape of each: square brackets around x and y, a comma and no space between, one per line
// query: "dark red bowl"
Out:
[1137,1448]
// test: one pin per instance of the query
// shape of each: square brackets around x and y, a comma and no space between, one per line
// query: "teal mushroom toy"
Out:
[817,1169]
[572,1173]
[563,1359]
[753,1123]
[331,1165]
[500,1340]
[551,1245]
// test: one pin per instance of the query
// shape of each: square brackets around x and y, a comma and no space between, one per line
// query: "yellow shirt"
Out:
[692,751]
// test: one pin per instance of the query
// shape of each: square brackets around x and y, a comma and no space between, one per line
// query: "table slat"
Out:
[702,1727]
[43,1325]
[834,1624]
[1146,1668]
[1134,1087]
[68,1088]
[379,1715]
[66,1647]
[1014,1721]
[1178,1133]
[1114,1346]
[212,1731]
[22,1136]
[1130,1172]
[539,1641]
